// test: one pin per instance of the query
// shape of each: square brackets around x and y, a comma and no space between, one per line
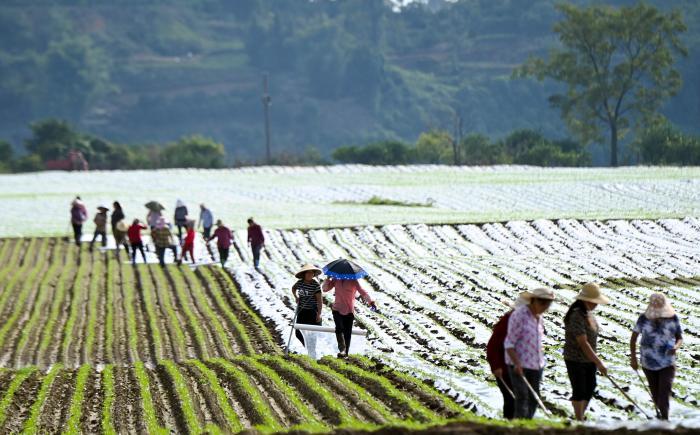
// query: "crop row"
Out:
[60,305]
[439,289]
[218,395]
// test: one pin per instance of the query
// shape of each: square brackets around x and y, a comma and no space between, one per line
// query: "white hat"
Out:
[590,292]
[659,307]
[519,302]
[538,293]
[306,268]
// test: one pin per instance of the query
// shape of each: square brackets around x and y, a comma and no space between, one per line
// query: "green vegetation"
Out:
[109,396]
[76,402]
[376,200]
[31,425]
[522,147]
[20,376]
[210,379]
[183,395]
[147,401]
[341,72]
[618,66]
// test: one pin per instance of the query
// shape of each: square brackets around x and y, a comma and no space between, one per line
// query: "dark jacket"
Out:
[495,353]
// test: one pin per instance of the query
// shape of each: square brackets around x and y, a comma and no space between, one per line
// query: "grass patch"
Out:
[377,200]
[76,403]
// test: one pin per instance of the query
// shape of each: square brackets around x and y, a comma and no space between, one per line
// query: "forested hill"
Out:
[341,72]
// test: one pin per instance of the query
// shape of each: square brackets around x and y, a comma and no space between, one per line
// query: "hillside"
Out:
[341,72]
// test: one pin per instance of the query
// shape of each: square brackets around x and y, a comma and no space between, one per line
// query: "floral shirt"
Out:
[525,334]
[658,337]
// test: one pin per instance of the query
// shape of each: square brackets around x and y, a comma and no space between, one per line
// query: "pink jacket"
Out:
[345,290]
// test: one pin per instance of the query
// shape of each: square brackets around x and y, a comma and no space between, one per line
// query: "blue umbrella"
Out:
[344,269]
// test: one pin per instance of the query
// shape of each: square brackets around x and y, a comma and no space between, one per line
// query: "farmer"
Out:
[524,353]
[495,354]
[344,308]
[307,293]
[152,218]
[163,239]
[206,220]
[661,338]
[100,221]
[78,216]
[180,217]
[134,233]
[581,339]
[117,215]
[119,231]
[223,238]
[188,244]
[256,240]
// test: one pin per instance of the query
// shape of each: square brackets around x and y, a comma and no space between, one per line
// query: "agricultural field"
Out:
[337,196]
[90,344]
[439,290]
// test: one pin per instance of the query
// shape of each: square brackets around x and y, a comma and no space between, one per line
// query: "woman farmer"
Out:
[163,239]
[119,231]
[581,339]
[495,355]
[134,233]
[78,216]
[307,293]
[661,338]
[180,218]
[344,309]
[100,226]
[117,215]
[188,244]
[524,353]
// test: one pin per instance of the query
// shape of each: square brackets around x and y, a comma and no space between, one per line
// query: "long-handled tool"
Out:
[646,387]
[537,397]
[627,396]
[500,378]
[294,322]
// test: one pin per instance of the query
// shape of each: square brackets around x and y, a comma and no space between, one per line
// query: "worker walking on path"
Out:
[206,220]
[134,233]
[78,216]
[163,239]
[223,237]
[496,356]
[662,336]
[524,352]
[307,294]
[256,240]
[180,218]
[188,243]
[580,346]
[100,226]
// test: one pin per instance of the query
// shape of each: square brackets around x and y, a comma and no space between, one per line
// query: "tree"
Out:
[194,152]
[617,65]
[435,147]
[52,138]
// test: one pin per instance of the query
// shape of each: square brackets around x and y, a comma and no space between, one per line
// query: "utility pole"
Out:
[267,100]
[457,138]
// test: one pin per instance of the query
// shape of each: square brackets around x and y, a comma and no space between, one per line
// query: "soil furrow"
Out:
[91,412]
[54,413]
[168,399]
[128,417]
[18,411]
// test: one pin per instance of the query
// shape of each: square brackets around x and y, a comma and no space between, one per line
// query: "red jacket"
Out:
[495,353]
[255,235]
[134,233]
[189,237]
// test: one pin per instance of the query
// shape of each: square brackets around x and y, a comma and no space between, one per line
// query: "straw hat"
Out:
[659,307]
[590,292]
[306,268]
[122,226]
[538,293]
[102,207]
[519,302]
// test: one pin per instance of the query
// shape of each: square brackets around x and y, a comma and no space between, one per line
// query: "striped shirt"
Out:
[306,292]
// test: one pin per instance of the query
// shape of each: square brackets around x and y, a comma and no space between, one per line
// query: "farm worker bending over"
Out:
[581,340]
[223,238]
[496,356]
[662,336]
[524,354]
[163,239]
[78,216]
[134,233]
[344,309]
[307,293]
[188,244]
[100,226]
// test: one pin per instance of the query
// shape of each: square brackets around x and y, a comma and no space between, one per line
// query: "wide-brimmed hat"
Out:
[122,226]
[219,223]
[659,307]
[590,292]
[102,207]
[519,302]
[306,268]
[538,293]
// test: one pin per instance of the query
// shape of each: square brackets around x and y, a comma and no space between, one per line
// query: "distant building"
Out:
[75,161]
